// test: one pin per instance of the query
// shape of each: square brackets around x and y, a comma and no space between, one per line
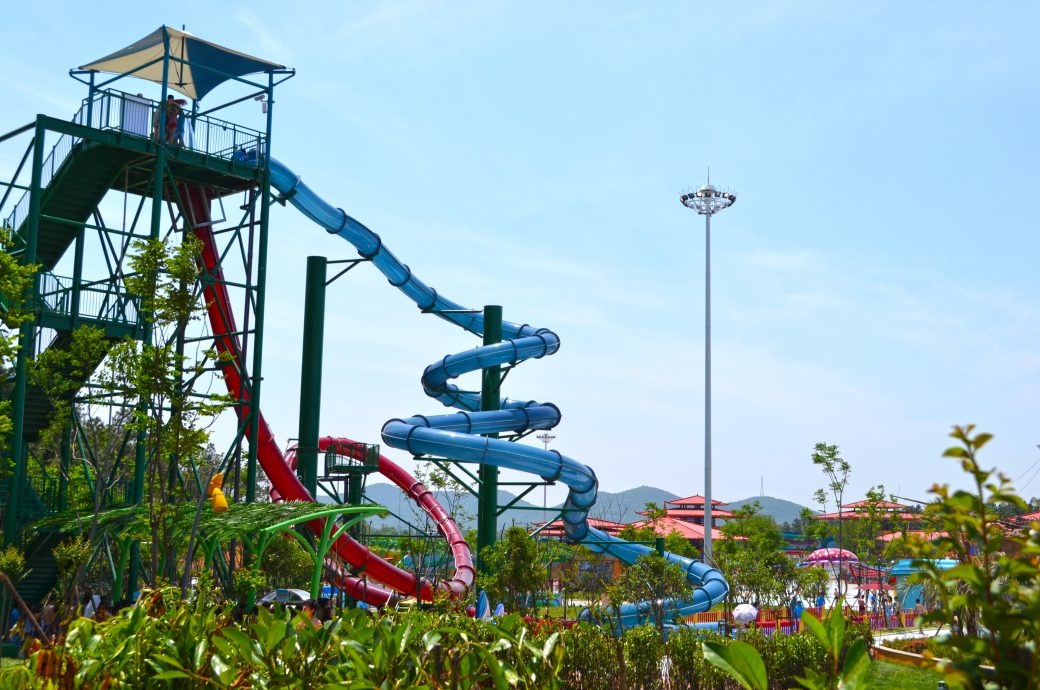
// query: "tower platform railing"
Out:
[104,301]
[136,116]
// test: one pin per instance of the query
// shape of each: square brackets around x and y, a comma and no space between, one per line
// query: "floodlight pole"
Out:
[546,438]
[707,201]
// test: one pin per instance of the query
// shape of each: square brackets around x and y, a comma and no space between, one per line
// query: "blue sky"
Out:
[874,284]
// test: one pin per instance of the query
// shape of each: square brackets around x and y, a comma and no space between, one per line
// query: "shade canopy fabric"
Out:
[829,557]
[196,66]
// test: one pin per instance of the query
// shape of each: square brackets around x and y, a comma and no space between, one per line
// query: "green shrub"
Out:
[914,645]
[643,651]
[590,660]
[688,669]
[787,657]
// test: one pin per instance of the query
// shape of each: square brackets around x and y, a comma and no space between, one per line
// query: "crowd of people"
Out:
[21,629]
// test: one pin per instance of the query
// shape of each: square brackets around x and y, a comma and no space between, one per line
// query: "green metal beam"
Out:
[310,374]
[25,337]
[490,400]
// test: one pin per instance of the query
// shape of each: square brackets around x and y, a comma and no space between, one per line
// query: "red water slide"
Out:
[196,209]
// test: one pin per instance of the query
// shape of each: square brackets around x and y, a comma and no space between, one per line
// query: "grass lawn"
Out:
[884,675]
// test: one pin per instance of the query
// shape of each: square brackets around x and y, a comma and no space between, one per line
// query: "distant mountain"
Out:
[465,512]
[623,506]
[780,510]
[618,507]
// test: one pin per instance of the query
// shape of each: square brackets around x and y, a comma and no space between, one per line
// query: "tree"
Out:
[146,399]
[65,377]
[654,582]
[15,281]
[428,554]
[285,563]
[751,554]
[991,599]
[513,570]
[813,531]
[837,470]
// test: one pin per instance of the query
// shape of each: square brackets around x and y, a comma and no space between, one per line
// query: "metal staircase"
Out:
[86,158]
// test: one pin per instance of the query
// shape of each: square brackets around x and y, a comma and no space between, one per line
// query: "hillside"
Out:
[617,507]
[622,506]
[780,510]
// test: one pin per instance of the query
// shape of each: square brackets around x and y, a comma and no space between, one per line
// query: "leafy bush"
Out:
[914,645]
[590,660]
[688,669]
[787,656]
[990,599]
[199,645]
[643,652]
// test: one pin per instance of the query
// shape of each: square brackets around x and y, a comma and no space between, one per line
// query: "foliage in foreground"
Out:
[845,663]
[196,645]
[991,599]
[163,641]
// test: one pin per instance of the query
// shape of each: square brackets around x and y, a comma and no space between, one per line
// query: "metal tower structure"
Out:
[126,169]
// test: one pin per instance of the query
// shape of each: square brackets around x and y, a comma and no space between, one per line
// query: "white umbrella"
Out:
[744,613]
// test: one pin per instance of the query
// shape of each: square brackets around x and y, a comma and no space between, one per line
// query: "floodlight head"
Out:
[707,201]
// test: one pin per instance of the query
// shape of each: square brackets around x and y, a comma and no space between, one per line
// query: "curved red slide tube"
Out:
[196,202]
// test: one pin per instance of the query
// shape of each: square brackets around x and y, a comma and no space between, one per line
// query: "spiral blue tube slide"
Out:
[459,436]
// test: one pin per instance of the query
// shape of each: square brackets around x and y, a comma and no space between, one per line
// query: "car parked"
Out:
[285,597]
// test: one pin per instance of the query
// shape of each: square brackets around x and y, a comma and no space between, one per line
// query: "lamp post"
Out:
[707,201]
[546,438]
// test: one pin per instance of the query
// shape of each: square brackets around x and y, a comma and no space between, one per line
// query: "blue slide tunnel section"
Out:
[458,436]
[710,587]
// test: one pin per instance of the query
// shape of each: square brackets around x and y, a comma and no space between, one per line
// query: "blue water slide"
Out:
[459,436]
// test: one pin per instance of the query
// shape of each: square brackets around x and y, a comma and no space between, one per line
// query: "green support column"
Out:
[310,374]
[77,276]
[25,338]
[490,400]
[261,300]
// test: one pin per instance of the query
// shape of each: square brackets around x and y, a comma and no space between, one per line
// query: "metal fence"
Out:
[102,300]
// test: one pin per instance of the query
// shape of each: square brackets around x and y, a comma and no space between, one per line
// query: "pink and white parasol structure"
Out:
[744,613]
[830,557]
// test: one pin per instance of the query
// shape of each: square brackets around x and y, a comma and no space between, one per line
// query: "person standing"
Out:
[310,612]
[173,115]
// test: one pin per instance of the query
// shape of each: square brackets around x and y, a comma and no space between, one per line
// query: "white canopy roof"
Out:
[196,66]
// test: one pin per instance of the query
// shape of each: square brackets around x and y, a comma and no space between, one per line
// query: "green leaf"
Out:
[222,668]
[835,627]
[741,661]
[168,660]
[170,675]
[549,645]
[982,439]
[275,634]
[857,661]
[200,652]
[495,668]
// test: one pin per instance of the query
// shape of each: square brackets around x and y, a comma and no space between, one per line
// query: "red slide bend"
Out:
[196,201]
